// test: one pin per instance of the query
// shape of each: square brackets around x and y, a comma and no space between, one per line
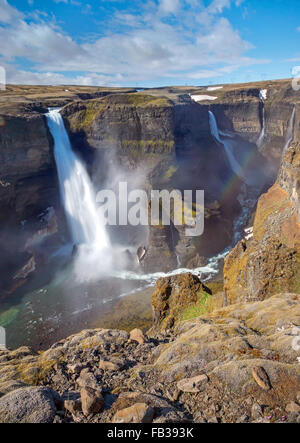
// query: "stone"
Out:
[256,411]
[87,379]
[72,406]
[28,405]
[261,378]
[75,369]
[138,413]
[293,407]
[138,336]
[111,365]
[92,401]
[194,384]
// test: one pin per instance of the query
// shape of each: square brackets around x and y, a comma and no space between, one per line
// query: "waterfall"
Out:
[76,190]
[290,131]
[263,97]
[262,133]
[237,169]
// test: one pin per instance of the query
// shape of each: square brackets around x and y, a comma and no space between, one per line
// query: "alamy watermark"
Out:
[161,209]
[296,78]
[2,338]
[2,79]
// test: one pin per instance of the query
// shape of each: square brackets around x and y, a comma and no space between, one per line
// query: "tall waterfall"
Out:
[76,190]
[237,169]
[262,96]
[290,131]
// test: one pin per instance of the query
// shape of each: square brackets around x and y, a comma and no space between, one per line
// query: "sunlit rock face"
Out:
[270,260]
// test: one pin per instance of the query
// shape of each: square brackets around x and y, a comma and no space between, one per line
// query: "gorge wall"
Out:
[168,134]
[163,134]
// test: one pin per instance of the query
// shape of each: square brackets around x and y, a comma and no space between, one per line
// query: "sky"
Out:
[148,43]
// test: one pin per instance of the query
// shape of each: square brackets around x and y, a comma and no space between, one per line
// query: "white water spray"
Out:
[76,190]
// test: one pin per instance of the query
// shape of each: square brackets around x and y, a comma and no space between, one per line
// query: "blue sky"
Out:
[148,43]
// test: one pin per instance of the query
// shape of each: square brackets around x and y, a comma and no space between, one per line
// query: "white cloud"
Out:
[148,50]
[217,6]
[8,13]
[169,6]
[298,29]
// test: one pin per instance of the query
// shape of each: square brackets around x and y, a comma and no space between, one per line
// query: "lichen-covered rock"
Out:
[28,405]
[172,295]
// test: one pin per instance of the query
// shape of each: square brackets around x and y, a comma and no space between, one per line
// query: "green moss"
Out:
[198,309]
[169,173]
[8,316]
[83,119]
[35,373]
[140,100]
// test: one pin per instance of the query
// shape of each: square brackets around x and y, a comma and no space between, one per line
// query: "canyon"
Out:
[223,337]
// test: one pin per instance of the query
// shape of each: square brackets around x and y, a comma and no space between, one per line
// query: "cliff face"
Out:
[170,138]
[270,261]
[27,167]
[28,187]
[134,125]
[30,208]
[163,133]
[243,110]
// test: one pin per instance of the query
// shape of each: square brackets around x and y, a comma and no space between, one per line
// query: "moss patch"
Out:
[83,119]
[8,316]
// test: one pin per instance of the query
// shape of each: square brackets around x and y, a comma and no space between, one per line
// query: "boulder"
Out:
[138,336]
[138,413]
[92,401]
[28,405]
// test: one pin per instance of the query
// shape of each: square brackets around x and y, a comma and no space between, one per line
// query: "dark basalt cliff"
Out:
[27,167]
[28,187]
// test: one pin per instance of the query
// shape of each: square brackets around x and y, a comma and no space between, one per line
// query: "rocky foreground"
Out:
[238,364]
